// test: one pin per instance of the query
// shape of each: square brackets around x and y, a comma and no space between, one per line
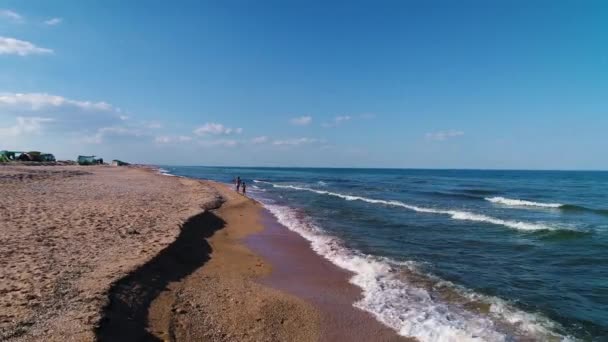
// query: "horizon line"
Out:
[384,168]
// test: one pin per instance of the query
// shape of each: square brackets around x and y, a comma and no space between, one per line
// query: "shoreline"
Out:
[107,253]
[298,270]
[304,297]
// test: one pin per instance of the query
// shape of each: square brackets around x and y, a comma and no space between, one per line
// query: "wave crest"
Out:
[520,202]
[454,214]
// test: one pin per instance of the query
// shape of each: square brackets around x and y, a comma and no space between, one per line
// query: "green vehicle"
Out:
[10,155]
[3,157]
[32,156]
[89,160]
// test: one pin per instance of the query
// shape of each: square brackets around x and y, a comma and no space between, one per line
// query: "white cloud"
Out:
[219,142]
[53,21]
[11,15]
[211,128]
[153,125]
[89,121]
[338,120]
[163,140]
[12,46]
[259,140]
[93,122]
[443,135]
[301,121]
[172,139]
[25,125]
[295,142]
[41,101]
[114,131]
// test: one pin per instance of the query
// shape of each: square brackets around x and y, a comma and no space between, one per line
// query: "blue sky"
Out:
[432,84]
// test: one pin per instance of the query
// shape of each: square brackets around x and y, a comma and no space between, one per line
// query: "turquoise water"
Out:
[454,254]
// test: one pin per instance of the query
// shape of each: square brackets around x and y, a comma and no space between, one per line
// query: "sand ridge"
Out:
[205,288]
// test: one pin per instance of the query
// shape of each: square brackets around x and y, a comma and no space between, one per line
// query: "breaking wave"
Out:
[563,207]
[519,202]
[416,304]
[454,214]
[165,172]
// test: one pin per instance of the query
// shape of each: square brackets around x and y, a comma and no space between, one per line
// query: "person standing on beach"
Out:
[238,183]
[244,188]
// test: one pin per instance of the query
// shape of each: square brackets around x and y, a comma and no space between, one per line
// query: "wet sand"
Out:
[301,272]
[219,300]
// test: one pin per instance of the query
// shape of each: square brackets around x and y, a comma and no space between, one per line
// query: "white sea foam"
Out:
[519,202]
[165,172]
[454,214]
[412,310]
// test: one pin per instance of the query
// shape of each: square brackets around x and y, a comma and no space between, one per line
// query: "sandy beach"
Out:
[110,254]
[68,233]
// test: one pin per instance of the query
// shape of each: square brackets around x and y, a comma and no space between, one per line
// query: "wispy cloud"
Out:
[89,121]
[211,128]
[164,139]
[295,141]
[53,21]
[153,124]
[114,131]
[301,121]
[12,46]
[42,101]
[167,139]
[11,15]
[219,142]
[443,135]
[25,125]
[259,140]
[338,120]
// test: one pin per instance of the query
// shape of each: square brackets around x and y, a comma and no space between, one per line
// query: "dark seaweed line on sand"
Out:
[125,317]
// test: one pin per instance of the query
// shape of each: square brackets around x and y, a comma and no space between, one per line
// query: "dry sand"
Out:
[125,254]
[67,233]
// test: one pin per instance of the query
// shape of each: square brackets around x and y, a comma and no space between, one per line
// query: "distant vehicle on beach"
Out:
[89,160]
[32,156]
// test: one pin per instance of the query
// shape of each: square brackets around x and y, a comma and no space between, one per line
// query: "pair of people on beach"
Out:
[240,184]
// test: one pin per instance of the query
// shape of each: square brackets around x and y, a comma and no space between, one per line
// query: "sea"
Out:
[453,255]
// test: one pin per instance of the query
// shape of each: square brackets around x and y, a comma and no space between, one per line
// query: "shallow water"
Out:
[454,254]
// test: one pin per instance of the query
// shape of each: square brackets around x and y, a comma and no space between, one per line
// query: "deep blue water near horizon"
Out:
[536,239]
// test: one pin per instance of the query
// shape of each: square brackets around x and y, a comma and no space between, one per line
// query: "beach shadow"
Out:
[125,318]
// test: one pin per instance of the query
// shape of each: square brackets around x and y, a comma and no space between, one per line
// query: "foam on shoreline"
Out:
[413,308]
